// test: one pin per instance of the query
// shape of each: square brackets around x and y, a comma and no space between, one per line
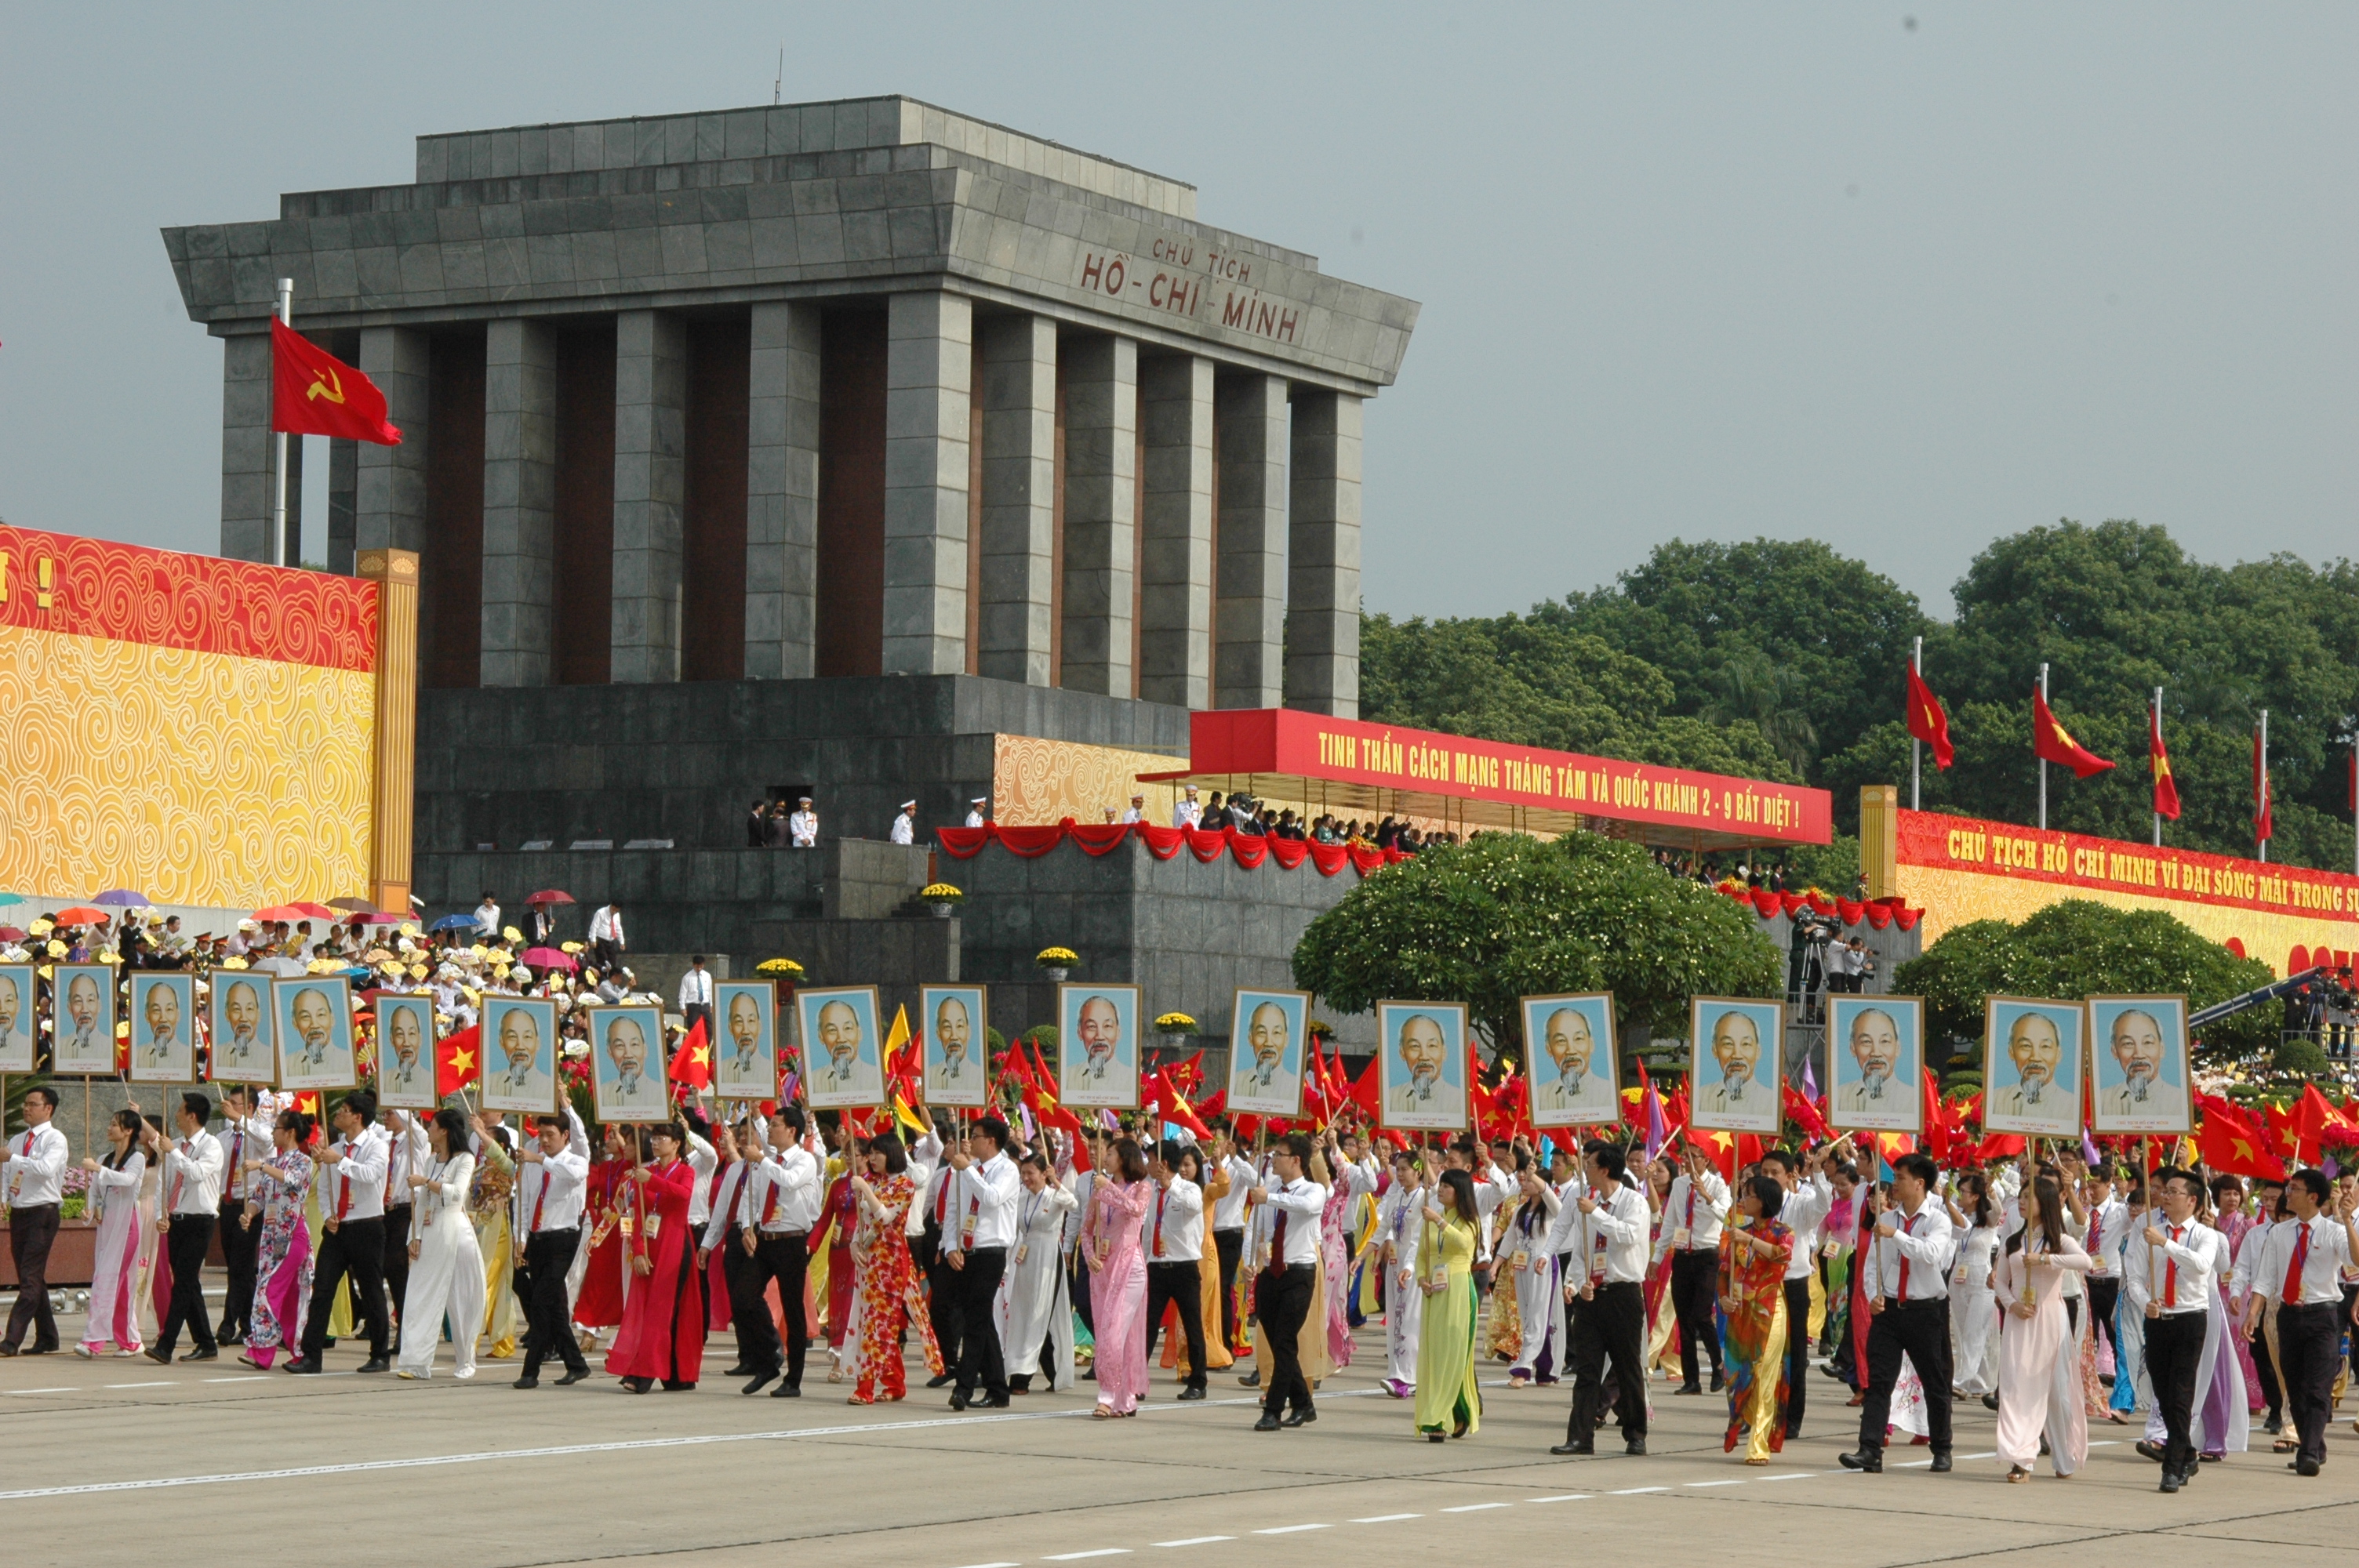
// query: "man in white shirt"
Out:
[905,826]
[407,1149]
[2170,1280]
[1905,1278]
[350,1186]
[1810,1195]
[978,1233]
[1138,812]
[244,1135]
[974,810]
[1282,1294]
[1174,1229]
[2301,1270]
[1189,812]
[2104,1284]
[696,997]
[553,1173]
[778,1236]
[487,917]
[192,1177]
[32,1178]
[802,826]
[606,939]
[1610,1270]
[1229,1221]
[1693,1212]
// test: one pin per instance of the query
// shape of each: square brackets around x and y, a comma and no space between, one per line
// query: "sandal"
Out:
[859,1400]
[2018,1472]
[1105,1413]
[2285,1445]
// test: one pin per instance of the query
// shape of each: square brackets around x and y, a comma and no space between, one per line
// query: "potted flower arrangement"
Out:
[1056,962]
[942,898]
[1177,1025]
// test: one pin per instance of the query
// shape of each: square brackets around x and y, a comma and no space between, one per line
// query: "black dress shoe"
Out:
[2305,1466]
[1719,1384]
[1266,1423]
[7,1350]
[303,1367]
[1990,1401]
[1867,1460]
[1940,1463]
[787,1392]
[1251,1380]
[1687,1389]
[526,1383]
[201,1355]
[162,1357]
[1191,1393]
[2170,1482]
[944,1382]
[957,1400]
[739,1370]
[377,1364]
[995,1402]
[761,1380]
[570,1379]
[228,1335]
[1637,1448]
[1574,1450]
[1300,1418]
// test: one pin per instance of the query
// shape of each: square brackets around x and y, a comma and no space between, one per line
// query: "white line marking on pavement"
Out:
[249,1378]
[1077,1556]
[1476,1508]
[990,1565]
[1792,1476]
[44,1390]
[1292,1528]
[1562,1497]
[1738,1481]
[1385,1519]
[165,1384]
[1193,1541]
[1624,1492]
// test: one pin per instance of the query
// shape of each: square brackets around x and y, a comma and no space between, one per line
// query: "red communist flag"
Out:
[1927,721]
[692,1062]
[2051,743]
[458,1060]
[2229,1143]
[313,393]
[2165,788]
[2260,791]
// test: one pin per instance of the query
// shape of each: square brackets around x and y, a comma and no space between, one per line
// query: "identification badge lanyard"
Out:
[1024,1232]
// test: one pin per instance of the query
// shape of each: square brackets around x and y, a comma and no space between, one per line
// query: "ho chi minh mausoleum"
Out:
[858,445]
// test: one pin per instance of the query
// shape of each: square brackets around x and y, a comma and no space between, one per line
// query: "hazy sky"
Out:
[1700,271]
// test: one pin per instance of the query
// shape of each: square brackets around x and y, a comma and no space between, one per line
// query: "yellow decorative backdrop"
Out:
[1037,784]
[196,778]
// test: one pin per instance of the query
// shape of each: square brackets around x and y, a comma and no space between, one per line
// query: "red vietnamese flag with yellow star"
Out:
[313,393]
[459,1060]
[1927,721]
[2230,1144]
[2051,743]
[692,1064]
[2165,788]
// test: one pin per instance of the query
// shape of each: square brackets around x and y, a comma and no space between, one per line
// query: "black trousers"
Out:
[785,1259]
[31,1231]
[396,1257]
[2309,1338]
[2174,1350]
[980,1364]
[191,1234]
[1920,1331]
[354,1249]
[238,1248]
[1610,1325]
[1694,1292]
[757,1336]
[1180,1284]
[1078,1289]
[2265,1364]
[694,1011]
[1798,1351]
[547,1254]
[1282,1303]
[2104,1295]
[1229,1246]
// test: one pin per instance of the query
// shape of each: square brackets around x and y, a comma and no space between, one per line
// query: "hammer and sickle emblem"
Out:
[327,383]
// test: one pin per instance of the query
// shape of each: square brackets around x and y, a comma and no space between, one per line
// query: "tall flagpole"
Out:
[1915,772]
[278,550]
[2150,767]
[2043,762]
[2261,785]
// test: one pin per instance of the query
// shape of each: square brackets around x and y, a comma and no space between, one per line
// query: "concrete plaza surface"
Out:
[114,1461]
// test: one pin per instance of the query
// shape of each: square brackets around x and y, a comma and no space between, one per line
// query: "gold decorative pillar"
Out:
[1879,838]
[393,791]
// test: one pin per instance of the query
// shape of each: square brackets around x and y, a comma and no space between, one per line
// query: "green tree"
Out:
[2080,948]
[1503,916]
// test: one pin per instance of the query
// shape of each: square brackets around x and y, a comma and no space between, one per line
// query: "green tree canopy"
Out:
[1503,916]
[2080,948]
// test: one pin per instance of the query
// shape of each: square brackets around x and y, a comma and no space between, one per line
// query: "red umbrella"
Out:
[549,895]
[82,915]
[291,913]
[379,917]
[314,911]
[10,934]
[539,959]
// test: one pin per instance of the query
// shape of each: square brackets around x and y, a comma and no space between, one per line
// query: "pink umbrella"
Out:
[537,959]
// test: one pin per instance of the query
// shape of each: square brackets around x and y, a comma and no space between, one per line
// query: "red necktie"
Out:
[1907,1227]
[2293,1295]
[1277,1238]
[539,1201]
[942,1203]
[180,1177]
[344,1188]
[770,1203]
[2170,1276]
[710,1192]
[1160,1194]
[1691,1223]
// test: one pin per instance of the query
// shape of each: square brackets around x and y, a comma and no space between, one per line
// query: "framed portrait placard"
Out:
[955,1019]
[404,1053]
[745,1056]
[84,1039]
[245,1029]
[1874,1059]
[842,1067]
[163,1027]
[1736,1051]
[1570,1059]
[628,1070]
[2031,1067]
[20,1024]
[314,1020]
[1267,1030]
[2137,1047]
[519,1054]
[1097,1046]
[1422,1065]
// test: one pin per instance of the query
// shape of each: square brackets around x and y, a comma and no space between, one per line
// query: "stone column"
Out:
[1100,484]
[389,483]
[343,485]
[782,492]
[929,361]
[1249,615]
[1019,496]
[246,446]
[519,500]
[650,493]
[1323,569]
[1175,511]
